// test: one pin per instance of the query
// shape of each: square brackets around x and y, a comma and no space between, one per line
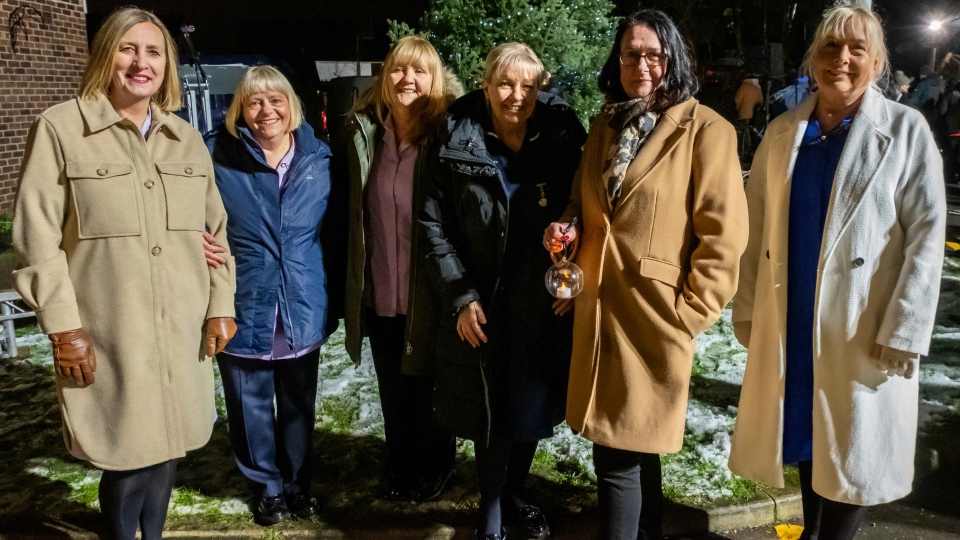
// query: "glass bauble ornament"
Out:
[564,279]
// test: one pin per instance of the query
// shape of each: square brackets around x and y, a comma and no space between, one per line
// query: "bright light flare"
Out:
[935,26]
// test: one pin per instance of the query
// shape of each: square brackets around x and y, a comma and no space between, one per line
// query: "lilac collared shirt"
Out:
[389,205]
[281,350]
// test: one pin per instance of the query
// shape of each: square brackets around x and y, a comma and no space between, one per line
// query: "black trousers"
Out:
[824,519]
[273,447]
[416,447]
[129,499]
[630,493]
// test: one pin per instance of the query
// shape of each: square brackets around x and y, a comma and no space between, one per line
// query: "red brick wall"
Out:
[45,71]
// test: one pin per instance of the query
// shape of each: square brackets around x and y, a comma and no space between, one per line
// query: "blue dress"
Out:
[813,175]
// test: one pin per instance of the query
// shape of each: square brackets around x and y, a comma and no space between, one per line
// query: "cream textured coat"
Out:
[658,270]
[878,283]
[108,227]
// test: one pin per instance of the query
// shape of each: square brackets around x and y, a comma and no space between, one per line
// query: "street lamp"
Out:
[935,27]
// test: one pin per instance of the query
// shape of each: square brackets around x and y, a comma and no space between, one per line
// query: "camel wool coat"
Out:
[108,226]
[658,270]
[878,281]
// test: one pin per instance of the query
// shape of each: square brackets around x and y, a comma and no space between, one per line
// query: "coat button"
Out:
[188,170]
[858,262]
[156,250]
[768,253]
[409,348]
[102,172]
[148,184]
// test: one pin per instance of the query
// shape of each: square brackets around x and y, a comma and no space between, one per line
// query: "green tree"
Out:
[571,37]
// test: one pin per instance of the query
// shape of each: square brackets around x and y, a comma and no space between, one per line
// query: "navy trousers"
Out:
[630,493]
[273,446]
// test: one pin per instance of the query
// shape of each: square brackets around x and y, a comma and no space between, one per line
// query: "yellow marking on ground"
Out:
[954,246]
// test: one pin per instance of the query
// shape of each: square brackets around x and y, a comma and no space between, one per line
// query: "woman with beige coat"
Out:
[662,217]
[115,192]
[838,286]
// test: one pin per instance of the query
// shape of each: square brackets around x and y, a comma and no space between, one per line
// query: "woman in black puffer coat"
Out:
[503,350]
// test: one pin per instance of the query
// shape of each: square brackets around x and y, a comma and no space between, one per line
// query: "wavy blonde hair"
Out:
[259,80]
[98,74]
[834,26]
[508,57]
[415,51]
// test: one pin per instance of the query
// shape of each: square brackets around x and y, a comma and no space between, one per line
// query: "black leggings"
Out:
[824,519]
[502,470]
[630,493]
[137,497]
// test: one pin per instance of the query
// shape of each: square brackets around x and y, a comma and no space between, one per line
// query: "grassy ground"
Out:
[39,482]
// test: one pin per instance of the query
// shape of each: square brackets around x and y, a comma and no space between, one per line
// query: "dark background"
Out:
[328,30]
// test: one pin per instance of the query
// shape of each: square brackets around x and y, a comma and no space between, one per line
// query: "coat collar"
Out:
[867,144]
[671,127]
[99,114]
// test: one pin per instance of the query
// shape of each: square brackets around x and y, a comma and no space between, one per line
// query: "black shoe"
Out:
[270,510]
[431,489]
[303,505]
[501,536]
[531,523]
[394,489]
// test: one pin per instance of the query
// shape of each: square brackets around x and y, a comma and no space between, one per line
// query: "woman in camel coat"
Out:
[661,238]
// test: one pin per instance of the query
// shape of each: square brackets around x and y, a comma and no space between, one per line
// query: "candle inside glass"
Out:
[563,292]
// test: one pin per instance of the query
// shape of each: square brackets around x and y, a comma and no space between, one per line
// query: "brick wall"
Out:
[45,71]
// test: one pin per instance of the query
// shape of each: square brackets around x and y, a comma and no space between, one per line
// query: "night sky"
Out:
[306,30]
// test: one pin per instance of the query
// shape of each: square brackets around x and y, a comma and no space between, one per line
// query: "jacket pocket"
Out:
[661,271]
[105,198]
[185,187]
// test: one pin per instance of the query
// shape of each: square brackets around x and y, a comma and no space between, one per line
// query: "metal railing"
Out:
[10,310]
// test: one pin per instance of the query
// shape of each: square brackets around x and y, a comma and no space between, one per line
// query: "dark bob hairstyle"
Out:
[679,82]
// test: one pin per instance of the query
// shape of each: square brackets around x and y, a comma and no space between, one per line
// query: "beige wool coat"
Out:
[108,227]
[877,284]
[658,269]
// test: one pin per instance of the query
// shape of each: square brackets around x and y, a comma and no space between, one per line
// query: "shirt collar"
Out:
[390,136]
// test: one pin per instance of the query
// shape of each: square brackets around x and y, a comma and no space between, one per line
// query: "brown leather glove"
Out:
[220,331]
[73,356]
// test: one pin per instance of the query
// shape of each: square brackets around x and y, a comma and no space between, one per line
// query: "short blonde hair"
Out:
[833,26]
[98,75]
[508,57]
[410,51]
[258,80]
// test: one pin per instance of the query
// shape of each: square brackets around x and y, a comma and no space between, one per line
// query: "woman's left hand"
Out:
[211,249]
[562,306]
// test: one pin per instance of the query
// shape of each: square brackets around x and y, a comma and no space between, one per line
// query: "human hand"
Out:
[562,306]
[468,324]
[73,356]
[211,249]
[219,332]
[741,330]
[894,362]
[554,236]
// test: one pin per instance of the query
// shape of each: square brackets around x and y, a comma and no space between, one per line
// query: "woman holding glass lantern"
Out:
[662,226]
[503,352]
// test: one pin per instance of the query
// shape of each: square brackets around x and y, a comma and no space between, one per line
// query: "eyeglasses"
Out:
[632,58]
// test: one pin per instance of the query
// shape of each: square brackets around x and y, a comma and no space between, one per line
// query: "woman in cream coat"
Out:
[871,287]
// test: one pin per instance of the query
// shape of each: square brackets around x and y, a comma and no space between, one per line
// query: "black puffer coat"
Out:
[481,247]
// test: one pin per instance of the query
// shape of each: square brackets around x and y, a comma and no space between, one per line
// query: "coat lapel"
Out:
[665,137]
[863,153]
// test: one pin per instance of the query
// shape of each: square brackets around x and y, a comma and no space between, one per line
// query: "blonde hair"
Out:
[410,51]
[98,74]
[508,57]
[259,80]
[833,26]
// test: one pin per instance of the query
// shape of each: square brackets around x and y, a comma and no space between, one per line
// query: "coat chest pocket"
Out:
[185,188]
[105,198]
